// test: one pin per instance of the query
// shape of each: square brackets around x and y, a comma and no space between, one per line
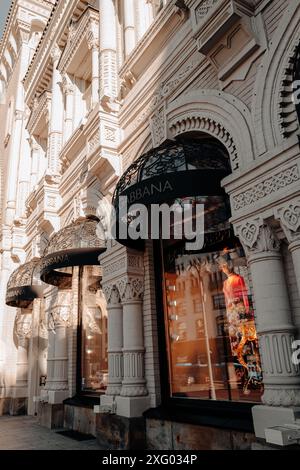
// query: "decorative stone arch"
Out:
[218,114]
[272,110]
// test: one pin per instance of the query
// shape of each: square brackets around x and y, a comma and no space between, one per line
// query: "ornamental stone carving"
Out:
[287,113]
[257,237]
[266,187]
[281,397]
[55,53]
[158,126]
[59,317]
[202,10]
[193,122]
[112,295]
[130,289]
[67,85]
[22,328]
[289,216]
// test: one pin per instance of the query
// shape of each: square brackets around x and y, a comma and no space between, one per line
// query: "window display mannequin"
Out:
[241,326]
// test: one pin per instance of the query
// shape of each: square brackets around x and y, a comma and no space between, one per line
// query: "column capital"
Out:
[67,85]
[59,318]
[131,289]
[112,295]
[257,237]
[92,39]
[289,217]
[55,53]
[22,328]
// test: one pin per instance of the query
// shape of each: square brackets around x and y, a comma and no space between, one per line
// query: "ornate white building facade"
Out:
[133,342]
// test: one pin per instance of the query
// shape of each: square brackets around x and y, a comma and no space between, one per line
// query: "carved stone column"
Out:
[134,391]
[34,169]
[289,216]
[57,362]
[123,271]
[68,89]
[273,321]
[115,344]
[129,27]
[22,330]
[56,118]
[108,49]
[13,163]
[93,45]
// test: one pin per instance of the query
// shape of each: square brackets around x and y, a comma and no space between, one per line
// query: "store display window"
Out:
[211,338]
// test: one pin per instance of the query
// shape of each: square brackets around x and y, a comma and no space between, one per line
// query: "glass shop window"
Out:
[212,344]
[94,365]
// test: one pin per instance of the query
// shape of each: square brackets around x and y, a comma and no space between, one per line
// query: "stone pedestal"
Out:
[120,433]
[51,416]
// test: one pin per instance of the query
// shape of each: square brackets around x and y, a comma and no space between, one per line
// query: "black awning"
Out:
[173,170]
[24,285]
[74,245]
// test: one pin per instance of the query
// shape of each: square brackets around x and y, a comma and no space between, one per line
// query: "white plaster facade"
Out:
[87,87]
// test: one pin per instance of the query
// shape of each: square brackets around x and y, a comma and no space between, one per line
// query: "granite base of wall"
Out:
[51,416]
[81,419]
[18,406]
[167,435]
[5,405]
[120,433]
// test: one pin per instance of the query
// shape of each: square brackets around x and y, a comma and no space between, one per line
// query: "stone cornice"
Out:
[42,107]
[79,31]
[164,27]
[17,21]
[55,32]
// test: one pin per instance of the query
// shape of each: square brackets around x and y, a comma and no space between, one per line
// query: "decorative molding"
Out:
[274,396]
[112,295]
[86,27]
[204,7]
[55,53]
[158,126]
[165,89]
[22,328]
[257,237]
[287,114]
[265,187]
[131,289]
[194,121]
[289,216]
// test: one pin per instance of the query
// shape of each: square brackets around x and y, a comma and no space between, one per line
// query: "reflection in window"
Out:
[94,366]
[211,337]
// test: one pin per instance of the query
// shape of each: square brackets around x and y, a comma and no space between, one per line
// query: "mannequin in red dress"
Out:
[241,327]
